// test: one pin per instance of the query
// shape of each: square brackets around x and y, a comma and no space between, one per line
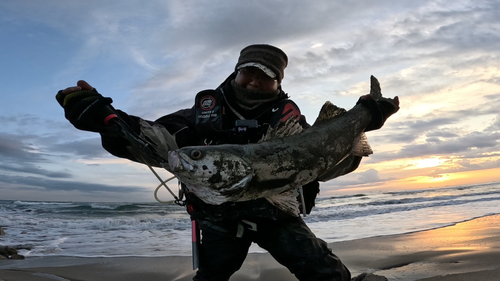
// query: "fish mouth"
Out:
[178,163]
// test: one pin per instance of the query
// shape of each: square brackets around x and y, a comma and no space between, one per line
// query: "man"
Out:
[252,96]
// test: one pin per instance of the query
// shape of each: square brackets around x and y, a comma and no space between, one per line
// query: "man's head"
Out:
[261,67]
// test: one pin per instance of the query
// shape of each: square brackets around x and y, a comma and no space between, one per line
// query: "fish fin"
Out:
[286,201]
[329,111]
[283,129]
[375,90]
[362,147]
[235,191]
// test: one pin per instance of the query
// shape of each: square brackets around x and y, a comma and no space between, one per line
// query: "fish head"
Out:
[218,168]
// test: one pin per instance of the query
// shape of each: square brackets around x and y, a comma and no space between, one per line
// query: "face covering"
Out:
[250,99]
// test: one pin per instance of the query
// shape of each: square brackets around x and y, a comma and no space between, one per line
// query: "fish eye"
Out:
[196,154]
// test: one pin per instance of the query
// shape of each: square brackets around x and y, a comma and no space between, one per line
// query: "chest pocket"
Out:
[209,113]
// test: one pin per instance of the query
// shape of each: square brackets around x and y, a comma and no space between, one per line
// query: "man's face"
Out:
[252,78]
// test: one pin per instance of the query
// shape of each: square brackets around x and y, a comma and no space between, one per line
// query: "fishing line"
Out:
[126,132]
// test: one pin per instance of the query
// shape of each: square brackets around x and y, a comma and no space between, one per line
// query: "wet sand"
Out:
[465,251]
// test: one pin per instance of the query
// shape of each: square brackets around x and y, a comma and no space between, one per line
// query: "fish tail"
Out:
[362,147]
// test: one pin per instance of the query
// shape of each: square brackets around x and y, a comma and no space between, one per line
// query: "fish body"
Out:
[222,173]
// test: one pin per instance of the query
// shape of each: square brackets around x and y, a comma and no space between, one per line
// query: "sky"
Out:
[441,58]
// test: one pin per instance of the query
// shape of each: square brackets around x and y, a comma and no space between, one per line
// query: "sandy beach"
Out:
[465,251]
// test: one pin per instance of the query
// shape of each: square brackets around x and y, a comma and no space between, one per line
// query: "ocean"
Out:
[155,229]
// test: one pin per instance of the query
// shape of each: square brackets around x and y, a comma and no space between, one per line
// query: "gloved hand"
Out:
[84,107]
[380,110]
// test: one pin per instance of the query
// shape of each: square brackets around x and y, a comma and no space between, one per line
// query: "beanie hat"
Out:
[269,59]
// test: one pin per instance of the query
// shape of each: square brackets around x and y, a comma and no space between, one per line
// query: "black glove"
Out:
[380,111]
[86,110]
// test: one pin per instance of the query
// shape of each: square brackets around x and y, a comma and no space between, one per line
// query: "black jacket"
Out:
[182,125]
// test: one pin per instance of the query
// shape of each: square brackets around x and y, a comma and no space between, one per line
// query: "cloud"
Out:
[36,183]
[86,148]
[32,169]
[13,149]
[441,58]
[368,178]
[470,145]
[26,154]
[370,175]
[18,157]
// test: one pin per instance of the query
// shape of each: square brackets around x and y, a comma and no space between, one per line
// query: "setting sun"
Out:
[428,163]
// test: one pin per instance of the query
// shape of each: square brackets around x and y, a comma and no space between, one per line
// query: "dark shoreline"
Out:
[464,251]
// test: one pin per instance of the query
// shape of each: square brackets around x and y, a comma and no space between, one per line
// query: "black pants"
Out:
[289,241]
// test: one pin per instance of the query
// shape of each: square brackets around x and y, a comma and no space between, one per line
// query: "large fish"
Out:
[277,164]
